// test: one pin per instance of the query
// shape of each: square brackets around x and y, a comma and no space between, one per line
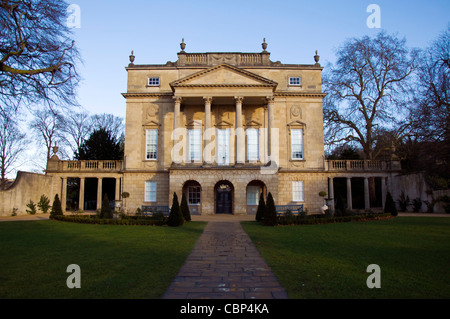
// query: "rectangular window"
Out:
[223,146]
[195,144]
[298,191]
[153,81]
[295,80]
[194,195]
[151,144]
[150,191]
[297,143]
[252,144]
[253,195]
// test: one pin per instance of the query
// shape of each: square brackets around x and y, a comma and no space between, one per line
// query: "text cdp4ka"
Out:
[229,308]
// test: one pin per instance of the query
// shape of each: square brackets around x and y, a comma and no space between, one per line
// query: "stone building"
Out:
[222,128]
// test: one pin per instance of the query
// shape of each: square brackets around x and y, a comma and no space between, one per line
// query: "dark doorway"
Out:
[73,194]
[90,193]
[224,198]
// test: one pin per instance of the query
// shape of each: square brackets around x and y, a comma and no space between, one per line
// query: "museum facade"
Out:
[224,128]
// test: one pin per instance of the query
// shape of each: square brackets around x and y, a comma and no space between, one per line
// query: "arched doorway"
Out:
[224,193]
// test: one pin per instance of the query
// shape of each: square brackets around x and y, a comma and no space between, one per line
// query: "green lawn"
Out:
[330,261]
[115,261]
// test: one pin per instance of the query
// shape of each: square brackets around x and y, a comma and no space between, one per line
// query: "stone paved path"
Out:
[225,264]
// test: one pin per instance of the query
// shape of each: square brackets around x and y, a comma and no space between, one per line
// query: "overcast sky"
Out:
[107,30]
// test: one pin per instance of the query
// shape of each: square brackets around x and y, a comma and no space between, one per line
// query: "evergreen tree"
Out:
[106,211]
[261,212]
[101,145]
[175,215]
[56,207]
[270,219]
[185,208]
[390,207]
[44,204]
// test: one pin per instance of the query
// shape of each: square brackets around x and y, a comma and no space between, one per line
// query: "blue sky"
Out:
[110,29]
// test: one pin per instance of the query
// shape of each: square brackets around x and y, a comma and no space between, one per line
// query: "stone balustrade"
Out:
[361,165]
[84,166]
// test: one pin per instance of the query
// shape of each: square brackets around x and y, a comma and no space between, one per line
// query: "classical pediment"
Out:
[223,75]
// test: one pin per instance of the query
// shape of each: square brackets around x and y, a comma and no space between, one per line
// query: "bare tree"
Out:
[432,120]
[368,91]
[109,122]
[37,55]
[48,126]
[12,144]
[77,129]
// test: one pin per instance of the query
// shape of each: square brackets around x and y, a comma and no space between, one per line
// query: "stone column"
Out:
[64,194]
[81,195]
[99,192]
[383,191]
[349,193]
[270,102]
[207,150]
[176,133]
[240,136]
[366,193]
[117,197]
[331,194]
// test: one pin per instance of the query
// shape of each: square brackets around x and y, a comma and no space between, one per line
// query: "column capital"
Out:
[177,99]
[239,99]
[270,99]
[208,99]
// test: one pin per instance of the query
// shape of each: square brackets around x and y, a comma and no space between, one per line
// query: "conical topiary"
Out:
[261,209]
[185,208]
[270,219]
[175,216]
[389,206]
[56,207]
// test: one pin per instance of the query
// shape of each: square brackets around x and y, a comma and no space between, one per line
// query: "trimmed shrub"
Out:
[56,208]
[175,216]
[261,212]
[270,218]
[389,206]
[185,208]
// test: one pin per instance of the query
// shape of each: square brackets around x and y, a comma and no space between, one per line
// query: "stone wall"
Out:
[415,186]
[313,184]
[27,186]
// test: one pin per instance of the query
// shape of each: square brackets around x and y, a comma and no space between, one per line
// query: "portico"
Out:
[220,87]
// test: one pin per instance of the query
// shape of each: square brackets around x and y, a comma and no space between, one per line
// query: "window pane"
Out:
[223,146]
[294,80]
[253,195]
[151,144]
[150,191]
[195,144]
[194,194]
[252,144]
[298,191]
[297,143]
[153,81]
